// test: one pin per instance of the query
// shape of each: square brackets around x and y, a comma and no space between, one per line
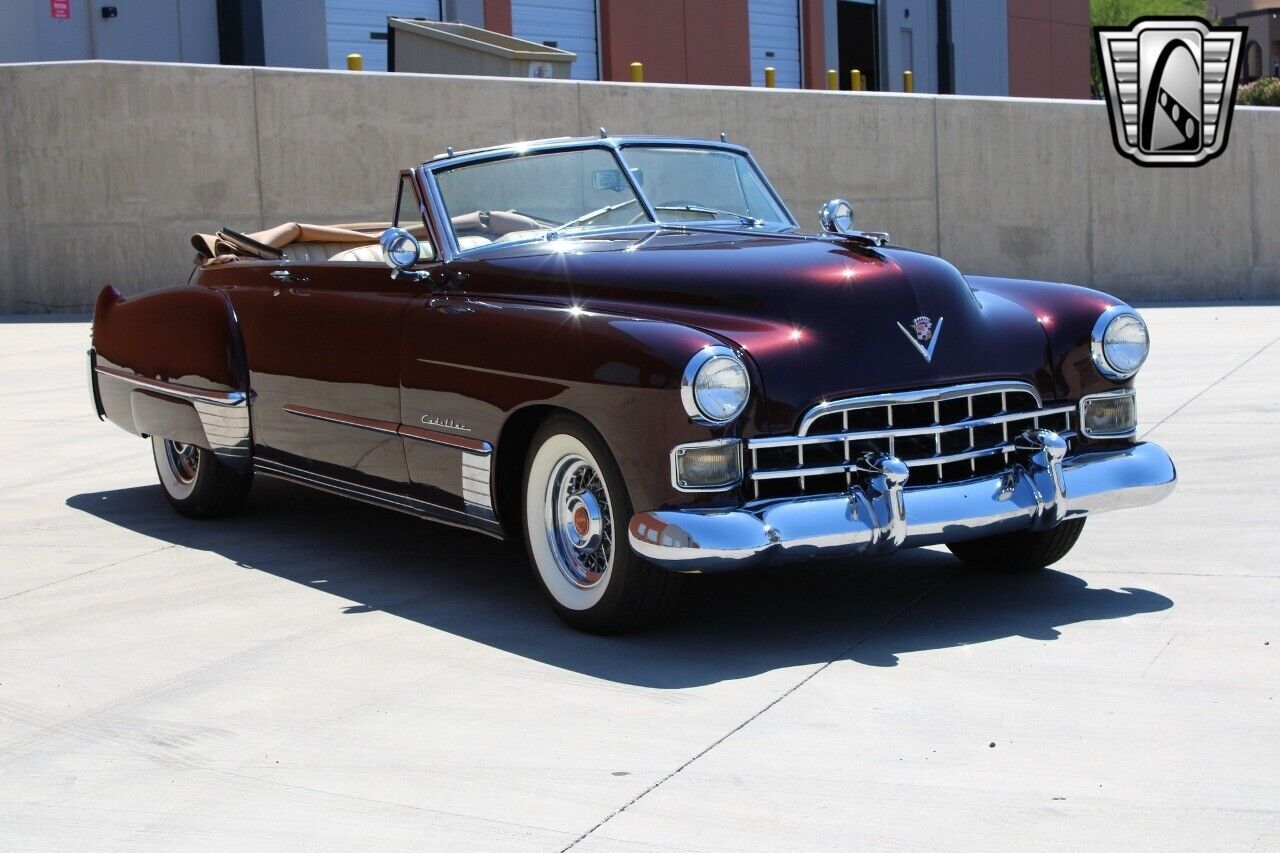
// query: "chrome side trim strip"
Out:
[224,415]
[458,442]
[338,418]
[174,389]
[469,445]
[378,497]
[477,491]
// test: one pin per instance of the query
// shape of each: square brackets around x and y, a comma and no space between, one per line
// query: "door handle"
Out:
[287,275]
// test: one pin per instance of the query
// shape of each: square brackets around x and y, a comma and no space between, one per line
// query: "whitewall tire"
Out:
[575,513]
[195,483]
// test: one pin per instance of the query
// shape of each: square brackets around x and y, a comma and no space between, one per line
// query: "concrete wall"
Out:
[106,169]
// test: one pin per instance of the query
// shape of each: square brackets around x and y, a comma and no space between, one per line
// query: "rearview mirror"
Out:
[607,179]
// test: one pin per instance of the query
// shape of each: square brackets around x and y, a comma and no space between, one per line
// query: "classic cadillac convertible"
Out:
[626,353]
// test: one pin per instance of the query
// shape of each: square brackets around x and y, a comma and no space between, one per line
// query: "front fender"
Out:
[1068,313]
[620,373]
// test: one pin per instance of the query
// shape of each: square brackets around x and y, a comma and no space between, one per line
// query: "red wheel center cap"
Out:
[581,521]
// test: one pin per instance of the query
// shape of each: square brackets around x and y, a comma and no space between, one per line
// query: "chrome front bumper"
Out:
[1043,489]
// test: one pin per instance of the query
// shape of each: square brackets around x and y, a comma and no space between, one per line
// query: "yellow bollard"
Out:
[908,81]
[770,78]
[637,72]
[833,79]
[355,62]
[855,80]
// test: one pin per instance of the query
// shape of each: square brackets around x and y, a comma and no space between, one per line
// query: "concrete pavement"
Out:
[317,674]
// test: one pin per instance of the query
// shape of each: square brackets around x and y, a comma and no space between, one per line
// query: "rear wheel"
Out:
[576,510]
[195,483]
[1024,551]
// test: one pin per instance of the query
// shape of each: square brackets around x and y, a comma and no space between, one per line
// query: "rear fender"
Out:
[171,363]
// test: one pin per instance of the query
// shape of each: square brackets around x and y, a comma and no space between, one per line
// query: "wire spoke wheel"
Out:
[579,521]
[184,460]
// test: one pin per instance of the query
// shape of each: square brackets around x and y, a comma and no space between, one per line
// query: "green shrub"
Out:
[1260,93]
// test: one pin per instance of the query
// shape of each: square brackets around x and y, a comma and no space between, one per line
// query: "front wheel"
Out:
[576,510]
[1024,551]
[195,483]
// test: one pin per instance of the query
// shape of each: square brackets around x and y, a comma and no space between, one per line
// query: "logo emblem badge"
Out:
[1170,85]
[923,335]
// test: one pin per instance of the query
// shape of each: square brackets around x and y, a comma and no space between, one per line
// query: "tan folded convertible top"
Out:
[221,248]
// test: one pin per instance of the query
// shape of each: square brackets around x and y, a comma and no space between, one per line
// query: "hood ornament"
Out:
[923,335]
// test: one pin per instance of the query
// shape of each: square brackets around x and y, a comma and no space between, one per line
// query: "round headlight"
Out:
[715,386]
[1120,343]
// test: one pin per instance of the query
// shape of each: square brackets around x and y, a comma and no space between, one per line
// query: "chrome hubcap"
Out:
[579,522]
[183,460]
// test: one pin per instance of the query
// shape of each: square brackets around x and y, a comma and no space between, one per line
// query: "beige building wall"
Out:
[106,169]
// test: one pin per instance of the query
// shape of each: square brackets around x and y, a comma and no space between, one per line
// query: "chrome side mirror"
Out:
[400,249]
[836,216]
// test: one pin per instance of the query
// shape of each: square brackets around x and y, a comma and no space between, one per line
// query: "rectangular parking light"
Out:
[1110,415]
[707,466]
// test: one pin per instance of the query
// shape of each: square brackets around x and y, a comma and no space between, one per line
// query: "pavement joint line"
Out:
[1205,390]
[86,572]
[1164,648]
[790,690]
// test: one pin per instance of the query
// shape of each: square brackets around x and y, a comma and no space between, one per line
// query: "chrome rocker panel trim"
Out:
[881,516]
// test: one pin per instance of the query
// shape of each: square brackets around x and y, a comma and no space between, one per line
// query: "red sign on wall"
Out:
[60,8]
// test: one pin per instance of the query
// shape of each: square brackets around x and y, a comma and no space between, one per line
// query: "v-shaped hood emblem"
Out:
[923,335]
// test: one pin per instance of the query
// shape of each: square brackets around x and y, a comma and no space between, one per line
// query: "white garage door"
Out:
[775,41]
[570,24]
[352,23]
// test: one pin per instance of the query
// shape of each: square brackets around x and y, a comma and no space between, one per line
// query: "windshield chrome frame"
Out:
[616,146]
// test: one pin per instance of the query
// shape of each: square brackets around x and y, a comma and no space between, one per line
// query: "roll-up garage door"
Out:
[775,40]
[566,24]
[360,26]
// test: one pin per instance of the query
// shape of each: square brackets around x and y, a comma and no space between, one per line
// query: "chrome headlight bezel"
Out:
[1098,345]
[689,381]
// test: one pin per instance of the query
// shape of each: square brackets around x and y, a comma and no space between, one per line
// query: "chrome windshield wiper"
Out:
[743,219]
[554,233]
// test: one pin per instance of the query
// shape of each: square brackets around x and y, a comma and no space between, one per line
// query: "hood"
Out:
[820,317]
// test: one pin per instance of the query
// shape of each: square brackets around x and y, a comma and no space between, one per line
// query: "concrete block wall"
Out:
[106,169]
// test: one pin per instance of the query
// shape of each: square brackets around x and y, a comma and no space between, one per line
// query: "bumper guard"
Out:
[881,516]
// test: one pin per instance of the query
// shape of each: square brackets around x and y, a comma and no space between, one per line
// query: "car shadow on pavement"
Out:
[732,626]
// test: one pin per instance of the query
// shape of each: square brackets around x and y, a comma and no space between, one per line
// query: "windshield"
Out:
[540,195]
[702,184]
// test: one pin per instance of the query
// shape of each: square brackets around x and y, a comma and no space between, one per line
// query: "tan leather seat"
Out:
[512,236]
[472,241]
[314,252]
[371,254]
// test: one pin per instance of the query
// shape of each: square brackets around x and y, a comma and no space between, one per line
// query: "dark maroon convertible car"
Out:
[626,353]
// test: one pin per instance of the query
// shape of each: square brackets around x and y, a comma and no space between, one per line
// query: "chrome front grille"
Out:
[943,435]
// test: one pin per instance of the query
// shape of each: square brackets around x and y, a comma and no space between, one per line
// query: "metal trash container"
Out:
[435,47]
